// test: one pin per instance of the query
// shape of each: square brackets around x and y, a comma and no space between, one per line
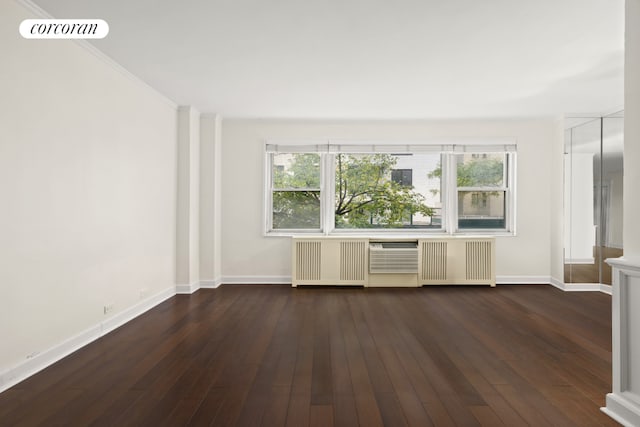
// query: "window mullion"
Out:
[451,193]
[268,197]
[327,193]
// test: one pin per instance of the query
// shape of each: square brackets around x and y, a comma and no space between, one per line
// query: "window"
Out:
[403,177]
[295,201]
[482,190]
[376,191]
[371,188]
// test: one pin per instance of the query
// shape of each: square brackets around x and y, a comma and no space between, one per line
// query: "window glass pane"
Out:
[299,170]
[402,176]
[388,191]
[481,209]
[480,169]
[296,210]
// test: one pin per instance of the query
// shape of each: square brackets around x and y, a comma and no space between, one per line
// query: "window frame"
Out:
[508,187]
[268,204]
[448,190]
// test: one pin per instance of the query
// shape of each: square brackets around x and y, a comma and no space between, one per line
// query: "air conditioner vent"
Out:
[393,257]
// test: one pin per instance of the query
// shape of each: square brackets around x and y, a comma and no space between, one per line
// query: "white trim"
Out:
[622,404]
[606,289]
[363,146]
[40,361]
[187,289]
[623,410]
[579,260]
[556,283]
[523,280]
[581,287]
[41,13]
[500,280]
[210,284]
[257,280]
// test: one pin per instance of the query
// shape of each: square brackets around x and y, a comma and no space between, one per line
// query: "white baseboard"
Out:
[210,284]
[257,280]
[523,280]
[623,410]
[500,280]
[187,289]
[606,289]
[581,287]
[556,283]
[580,260]
[29,367]
[202,284]
[268,280]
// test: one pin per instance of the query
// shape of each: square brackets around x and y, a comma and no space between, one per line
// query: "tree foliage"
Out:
[480,172]
[484,172]
[296,202]
[365,194]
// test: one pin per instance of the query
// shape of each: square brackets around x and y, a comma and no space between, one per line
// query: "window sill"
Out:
[391,234]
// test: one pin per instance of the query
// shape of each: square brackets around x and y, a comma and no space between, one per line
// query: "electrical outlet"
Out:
[108,308]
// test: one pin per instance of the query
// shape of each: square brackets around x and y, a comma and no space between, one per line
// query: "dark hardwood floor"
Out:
[279,356]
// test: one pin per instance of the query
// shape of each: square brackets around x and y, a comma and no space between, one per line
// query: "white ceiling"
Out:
[369,59]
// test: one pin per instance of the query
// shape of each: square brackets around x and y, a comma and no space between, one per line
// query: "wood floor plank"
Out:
[321,416]
[364,395]
[274,355]
[486,416]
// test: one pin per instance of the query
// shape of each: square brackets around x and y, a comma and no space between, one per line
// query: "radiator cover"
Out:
[363,262]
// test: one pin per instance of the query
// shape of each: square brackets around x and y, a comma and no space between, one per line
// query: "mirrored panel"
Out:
[593,198]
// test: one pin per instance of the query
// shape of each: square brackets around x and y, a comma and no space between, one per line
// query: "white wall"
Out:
[632,129]
[88,189]
[249,256]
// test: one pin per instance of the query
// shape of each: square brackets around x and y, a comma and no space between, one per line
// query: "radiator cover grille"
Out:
[353,260]
[434,260]
[308,260]
[478,265]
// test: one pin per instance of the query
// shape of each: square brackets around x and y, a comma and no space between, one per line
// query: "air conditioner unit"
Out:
[393,257]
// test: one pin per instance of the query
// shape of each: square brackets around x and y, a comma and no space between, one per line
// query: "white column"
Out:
[210,206]
[188,210]
[623,403]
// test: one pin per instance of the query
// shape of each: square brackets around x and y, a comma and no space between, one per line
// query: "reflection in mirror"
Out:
[593,198]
